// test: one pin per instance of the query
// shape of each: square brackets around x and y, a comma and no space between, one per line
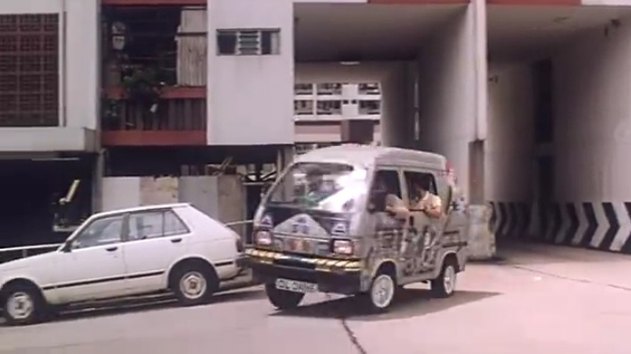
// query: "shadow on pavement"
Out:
[409,303]
[144,304]
[522,251]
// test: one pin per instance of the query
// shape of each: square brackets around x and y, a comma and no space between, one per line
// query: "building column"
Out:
[98,172]
[476,148]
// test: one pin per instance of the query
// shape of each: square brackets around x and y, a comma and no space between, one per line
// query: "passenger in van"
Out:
[424,200]
[384,200]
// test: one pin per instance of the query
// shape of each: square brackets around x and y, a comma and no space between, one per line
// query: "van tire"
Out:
[445,285]
[283,299]
[382,293]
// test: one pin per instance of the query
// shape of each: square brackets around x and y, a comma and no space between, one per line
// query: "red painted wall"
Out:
[535,2]
[418,2]
[153,2]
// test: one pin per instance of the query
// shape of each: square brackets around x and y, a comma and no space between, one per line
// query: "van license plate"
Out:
[296,286]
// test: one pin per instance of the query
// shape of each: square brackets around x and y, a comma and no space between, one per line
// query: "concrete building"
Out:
[527,99]
[321,108]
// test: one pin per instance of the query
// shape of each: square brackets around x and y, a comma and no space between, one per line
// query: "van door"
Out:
[423,246]
[389,227]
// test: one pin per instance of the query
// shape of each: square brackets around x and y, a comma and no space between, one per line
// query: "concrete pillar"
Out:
[285,156]
[98,172]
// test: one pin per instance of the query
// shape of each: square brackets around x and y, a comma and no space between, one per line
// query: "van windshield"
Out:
[331,187]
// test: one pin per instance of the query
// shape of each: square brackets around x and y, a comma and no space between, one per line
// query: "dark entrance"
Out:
[31,190]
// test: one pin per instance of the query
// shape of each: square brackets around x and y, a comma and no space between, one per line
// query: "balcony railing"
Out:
[178,118]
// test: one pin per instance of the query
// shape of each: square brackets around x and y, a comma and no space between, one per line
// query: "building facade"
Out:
[527,99]
[321,109]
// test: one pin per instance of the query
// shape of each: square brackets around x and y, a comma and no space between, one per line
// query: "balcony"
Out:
[178,118]
[155,75]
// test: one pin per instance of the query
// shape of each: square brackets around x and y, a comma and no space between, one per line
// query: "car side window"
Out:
[173,225]
[100,232]
[155,224]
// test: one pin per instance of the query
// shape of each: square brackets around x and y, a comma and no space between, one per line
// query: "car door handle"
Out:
[111,249]
[176,240]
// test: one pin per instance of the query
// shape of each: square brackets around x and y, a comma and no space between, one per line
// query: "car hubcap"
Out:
[20,306]
[382,291]
[449,280]
[193,285]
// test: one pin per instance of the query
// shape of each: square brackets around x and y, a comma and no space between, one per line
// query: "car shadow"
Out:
[144,304]
[408,303]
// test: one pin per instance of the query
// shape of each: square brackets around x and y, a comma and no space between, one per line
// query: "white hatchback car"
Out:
[125,252]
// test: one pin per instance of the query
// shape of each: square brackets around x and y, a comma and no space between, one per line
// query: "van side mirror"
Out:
[371,208]
[264,189]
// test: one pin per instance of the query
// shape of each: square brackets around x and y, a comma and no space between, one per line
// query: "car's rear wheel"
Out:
[194,285]
[283,299]
[23,305]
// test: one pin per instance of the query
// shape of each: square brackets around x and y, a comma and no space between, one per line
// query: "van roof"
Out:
[371,155]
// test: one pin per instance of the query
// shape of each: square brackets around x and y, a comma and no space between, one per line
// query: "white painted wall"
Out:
[593,117]
[248,95]
[509,146]
[79,81]
[120,193]
[447,67]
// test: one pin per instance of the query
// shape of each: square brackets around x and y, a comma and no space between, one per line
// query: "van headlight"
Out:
[263,238]
[343,247]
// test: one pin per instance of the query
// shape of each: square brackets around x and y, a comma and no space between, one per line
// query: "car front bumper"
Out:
[331,275]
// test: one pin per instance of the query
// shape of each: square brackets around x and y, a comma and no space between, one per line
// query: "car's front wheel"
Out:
[283,299]
[194,285]
[23,305]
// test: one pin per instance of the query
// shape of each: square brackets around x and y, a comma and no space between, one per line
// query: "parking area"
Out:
[536,298]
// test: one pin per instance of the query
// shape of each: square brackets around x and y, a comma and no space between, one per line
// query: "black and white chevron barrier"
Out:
[604,226]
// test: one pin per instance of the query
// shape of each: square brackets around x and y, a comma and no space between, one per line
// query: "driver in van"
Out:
[424,200]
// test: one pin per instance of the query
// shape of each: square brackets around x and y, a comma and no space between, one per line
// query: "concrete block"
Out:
[120,193]
[481,240]
[162,190]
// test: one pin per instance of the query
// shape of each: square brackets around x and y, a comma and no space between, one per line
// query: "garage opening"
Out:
[558,101]
[43,200]
[418,57]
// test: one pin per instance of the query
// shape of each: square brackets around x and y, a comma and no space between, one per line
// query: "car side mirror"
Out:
[67,247]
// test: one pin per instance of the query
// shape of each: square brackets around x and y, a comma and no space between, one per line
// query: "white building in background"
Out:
[321,108]
[337,101]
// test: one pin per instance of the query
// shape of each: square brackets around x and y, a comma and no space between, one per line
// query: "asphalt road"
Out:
[537,300]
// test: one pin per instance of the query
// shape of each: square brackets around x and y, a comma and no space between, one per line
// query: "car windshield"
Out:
[331,187]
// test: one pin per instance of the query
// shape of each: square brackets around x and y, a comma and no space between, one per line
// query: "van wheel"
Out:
[23,305]
[283,299]
[381,293]
[445,285]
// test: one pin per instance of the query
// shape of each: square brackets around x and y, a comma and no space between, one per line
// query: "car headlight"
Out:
[263,238]
[343,247]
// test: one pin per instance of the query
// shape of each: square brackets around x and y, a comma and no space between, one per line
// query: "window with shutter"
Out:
[248,42]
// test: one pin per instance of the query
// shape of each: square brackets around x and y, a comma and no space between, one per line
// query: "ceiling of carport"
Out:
[350,32]
[530,32]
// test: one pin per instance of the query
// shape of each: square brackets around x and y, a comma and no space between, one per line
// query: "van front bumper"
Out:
[331,275]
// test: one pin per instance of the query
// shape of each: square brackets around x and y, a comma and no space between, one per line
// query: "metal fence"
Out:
[12,253]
